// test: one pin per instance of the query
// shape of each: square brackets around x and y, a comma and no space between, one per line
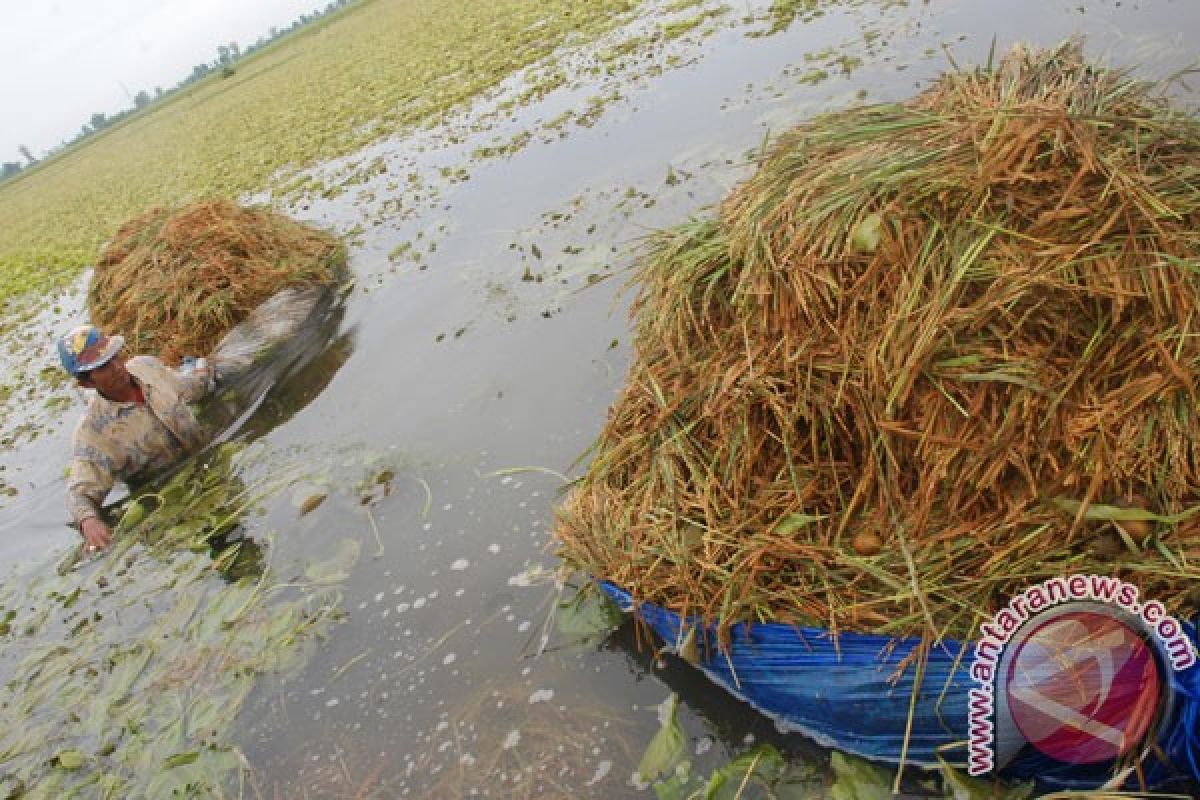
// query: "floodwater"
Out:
[477,364]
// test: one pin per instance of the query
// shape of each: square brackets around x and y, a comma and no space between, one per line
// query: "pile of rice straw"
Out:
[928,355]
[174,282]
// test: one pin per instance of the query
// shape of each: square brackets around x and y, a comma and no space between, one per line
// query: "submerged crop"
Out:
[123,676]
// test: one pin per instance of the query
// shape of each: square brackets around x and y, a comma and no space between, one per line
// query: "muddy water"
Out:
[481,371]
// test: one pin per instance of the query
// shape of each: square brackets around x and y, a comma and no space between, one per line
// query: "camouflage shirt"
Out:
[132,441]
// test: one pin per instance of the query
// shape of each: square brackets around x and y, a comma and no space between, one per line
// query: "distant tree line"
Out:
[223,64]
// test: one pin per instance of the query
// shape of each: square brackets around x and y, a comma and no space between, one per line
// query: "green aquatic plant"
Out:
[325,92]
[668,747]
[122,676]
[588,615]
[761,771]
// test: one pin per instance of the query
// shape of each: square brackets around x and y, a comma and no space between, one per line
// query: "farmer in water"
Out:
[138,423]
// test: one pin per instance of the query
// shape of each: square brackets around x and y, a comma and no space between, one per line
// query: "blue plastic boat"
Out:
[856,695]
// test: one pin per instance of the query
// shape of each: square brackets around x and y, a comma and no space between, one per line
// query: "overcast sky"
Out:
[64,60]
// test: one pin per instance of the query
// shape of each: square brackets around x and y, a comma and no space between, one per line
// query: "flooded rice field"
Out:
[389,624]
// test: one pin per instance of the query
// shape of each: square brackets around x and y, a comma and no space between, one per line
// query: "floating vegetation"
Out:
[173,282]
[964,325]
[287,108]
[785,12]
[124,675]
[587,616]
[763,771]
[673,30]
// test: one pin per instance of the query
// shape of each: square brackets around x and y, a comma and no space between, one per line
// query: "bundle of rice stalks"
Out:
[174,282]
[928,355]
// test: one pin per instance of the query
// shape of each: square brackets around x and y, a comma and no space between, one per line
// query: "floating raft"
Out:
[859,693]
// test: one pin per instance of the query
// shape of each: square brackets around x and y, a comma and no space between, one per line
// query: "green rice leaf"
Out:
[1102,512]
[867,233]
[794,522]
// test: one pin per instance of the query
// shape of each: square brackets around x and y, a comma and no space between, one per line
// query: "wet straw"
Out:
[969,318]
[173,281]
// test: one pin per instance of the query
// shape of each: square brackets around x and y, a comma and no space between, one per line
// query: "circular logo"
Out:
[1083,687]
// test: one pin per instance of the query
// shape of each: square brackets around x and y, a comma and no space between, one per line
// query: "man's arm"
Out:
[195,380]
[88,484]
[191,381]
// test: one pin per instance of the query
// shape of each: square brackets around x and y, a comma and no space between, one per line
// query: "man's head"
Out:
[91,356]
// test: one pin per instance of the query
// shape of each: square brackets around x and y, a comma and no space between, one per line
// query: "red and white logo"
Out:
[1077,668]
[1083,687]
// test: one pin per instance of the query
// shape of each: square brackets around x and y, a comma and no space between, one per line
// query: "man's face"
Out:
[110,379]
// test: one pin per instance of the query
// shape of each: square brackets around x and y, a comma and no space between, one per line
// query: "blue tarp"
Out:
[855,694]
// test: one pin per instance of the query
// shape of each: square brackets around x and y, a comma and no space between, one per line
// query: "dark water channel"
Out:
[478,372]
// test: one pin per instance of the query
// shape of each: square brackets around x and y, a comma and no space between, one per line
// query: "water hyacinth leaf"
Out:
[676,786]
[134,514]
[762,765]
[337,568]
[224,610]
[127,667]
[70,759]
[72,598]
[959,786]
[858,779]
[797,785]
[187,780]
[180,759]
[209,717]
[587,615]
[667,747]
[867,233]
[69,559]
[111,788]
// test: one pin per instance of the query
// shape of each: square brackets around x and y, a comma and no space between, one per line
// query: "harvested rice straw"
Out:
[174,282]
[972,317]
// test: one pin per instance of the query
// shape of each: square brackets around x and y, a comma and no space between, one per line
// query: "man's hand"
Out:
[201,370]
[96,534]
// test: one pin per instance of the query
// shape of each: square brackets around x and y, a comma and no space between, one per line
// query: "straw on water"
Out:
[929,354]
[174,281]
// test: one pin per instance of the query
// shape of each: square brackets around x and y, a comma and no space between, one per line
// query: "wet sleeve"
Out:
[193,384]
[88,483]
